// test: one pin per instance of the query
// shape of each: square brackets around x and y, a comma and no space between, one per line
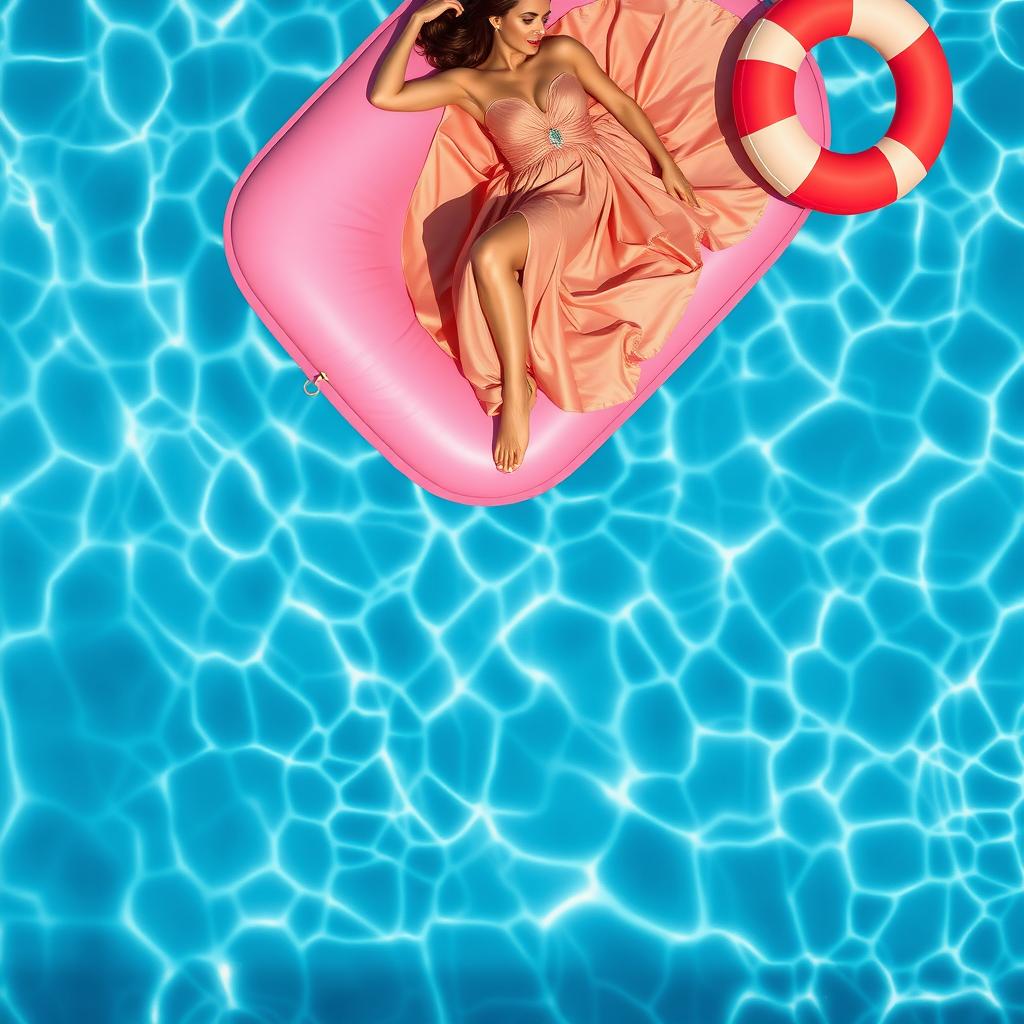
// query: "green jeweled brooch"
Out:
[556,137]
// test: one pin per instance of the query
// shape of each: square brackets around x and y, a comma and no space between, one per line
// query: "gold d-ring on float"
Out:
[313,394]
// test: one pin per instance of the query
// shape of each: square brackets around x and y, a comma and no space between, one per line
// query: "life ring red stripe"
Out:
[828,186]
[924,98]
[812,22]
[763,93]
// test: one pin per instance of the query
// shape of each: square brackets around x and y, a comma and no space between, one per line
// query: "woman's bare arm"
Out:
[629,114]
[390,90]
[621,105]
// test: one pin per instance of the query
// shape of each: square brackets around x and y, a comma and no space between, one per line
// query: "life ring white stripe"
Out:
[772,43]
[786,149]
[905,165]
[890,28]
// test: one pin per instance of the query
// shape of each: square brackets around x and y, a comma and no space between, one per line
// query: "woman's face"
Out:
[522,28]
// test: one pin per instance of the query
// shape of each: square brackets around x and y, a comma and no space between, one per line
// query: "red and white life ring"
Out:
[791,161]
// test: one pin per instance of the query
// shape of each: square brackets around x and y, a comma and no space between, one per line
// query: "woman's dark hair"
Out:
[461,40]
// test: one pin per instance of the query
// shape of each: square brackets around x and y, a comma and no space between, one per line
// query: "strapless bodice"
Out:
[525,134]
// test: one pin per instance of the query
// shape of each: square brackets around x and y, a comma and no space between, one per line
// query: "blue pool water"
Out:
[727,727]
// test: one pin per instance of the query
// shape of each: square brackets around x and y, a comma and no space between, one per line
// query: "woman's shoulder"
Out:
[555,55]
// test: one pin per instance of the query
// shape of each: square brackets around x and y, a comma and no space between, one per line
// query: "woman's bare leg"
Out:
[497,256]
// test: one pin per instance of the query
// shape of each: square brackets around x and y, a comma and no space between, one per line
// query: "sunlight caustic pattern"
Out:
[725,728]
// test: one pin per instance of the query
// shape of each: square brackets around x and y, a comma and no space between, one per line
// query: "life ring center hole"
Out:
[861,92]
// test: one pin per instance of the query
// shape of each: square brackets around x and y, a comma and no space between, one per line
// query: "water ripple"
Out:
[726,727]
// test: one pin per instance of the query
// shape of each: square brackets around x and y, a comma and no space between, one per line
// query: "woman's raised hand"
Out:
[435,8]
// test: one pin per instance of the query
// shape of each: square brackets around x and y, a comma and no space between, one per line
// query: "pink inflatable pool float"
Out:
[312,234]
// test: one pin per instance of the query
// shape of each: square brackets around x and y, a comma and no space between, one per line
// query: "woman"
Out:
[571,296]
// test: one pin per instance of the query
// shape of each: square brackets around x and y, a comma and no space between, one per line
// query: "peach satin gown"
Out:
[613,258]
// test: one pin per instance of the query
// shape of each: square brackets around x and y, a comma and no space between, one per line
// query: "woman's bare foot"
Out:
[514,427]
